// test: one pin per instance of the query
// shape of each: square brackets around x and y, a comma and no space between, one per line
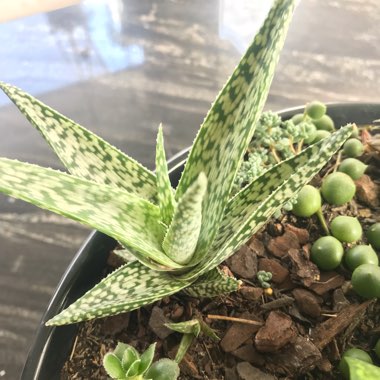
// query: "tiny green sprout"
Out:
[315,110]
[346,228]
[360,254]
[366,280]
[325,123]
[264,278]
[353,148]
[338,188]
[373,235]
[308,202]
[190,330]
[327,253]
[320,135]
[126,363]
[356,353]
[353,167]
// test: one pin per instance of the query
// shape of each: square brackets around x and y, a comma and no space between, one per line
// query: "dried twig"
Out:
[233,319]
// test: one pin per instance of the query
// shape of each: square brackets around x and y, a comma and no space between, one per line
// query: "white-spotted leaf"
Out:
[127,288]
[253,215]
[182,236]
[229,125]
[211,284]
[131,220]
[165,192]
[82,152]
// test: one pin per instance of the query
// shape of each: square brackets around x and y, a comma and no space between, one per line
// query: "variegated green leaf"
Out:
[182,236]
[165,193]
[127,288]
[188,327]
[229,125]
[184,345]
[211,284]
[125,255]
[124,216]
[129,254]
[113,366]
[250,216]
[83,153]
[361,370]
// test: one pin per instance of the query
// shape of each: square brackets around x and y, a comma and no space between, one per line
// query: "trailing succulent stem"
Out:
[177,238]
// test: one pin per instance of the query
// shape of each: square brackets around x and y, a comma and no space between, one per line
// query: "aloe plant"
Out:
[177,237]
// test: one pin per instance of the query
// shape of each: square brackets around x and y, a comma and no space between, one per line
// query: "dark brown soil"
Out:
[299,331]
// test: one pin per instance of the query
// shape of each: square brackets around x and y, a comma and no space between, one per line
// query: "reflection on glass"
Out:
[239,20]
[51,50]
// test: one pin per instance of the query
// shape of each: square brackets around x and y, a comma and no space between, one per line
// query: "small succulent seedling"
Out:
[353,148]
[126,363]
[373,235]
[352,167]
[327,253]
[346,228]
[360,254]
[177,237]
[365,280]
[264,277]
[190,330]
[355,353]
[308,202]
[338,188]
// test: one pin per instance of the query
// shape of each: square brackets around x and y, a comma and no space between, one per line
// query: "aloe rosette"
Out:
[176,237]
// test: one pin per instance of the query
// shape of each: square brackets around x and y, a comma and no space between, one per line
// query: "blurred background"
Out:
[120,67]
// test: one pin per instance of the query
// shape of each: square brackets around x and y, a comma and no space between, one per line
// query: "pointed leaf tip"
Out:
[83,153]
[182,236]
[229,125]
[165,192]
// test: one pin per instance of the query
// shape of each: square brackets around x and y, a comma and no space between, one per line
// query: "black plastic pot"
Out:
[52,345]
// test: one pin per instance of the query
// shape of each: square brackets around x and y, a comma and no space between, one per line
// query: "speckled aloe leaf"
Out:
[229,125]
[188,327]
[165,192]
[133,221]
[82,152]
[361,370]
[127,288]
[211,284]
[245,215]
[182,235]
[129,255]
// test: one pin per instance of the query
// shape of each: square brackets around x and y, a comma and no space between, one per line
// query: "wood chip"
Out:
[324,333]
